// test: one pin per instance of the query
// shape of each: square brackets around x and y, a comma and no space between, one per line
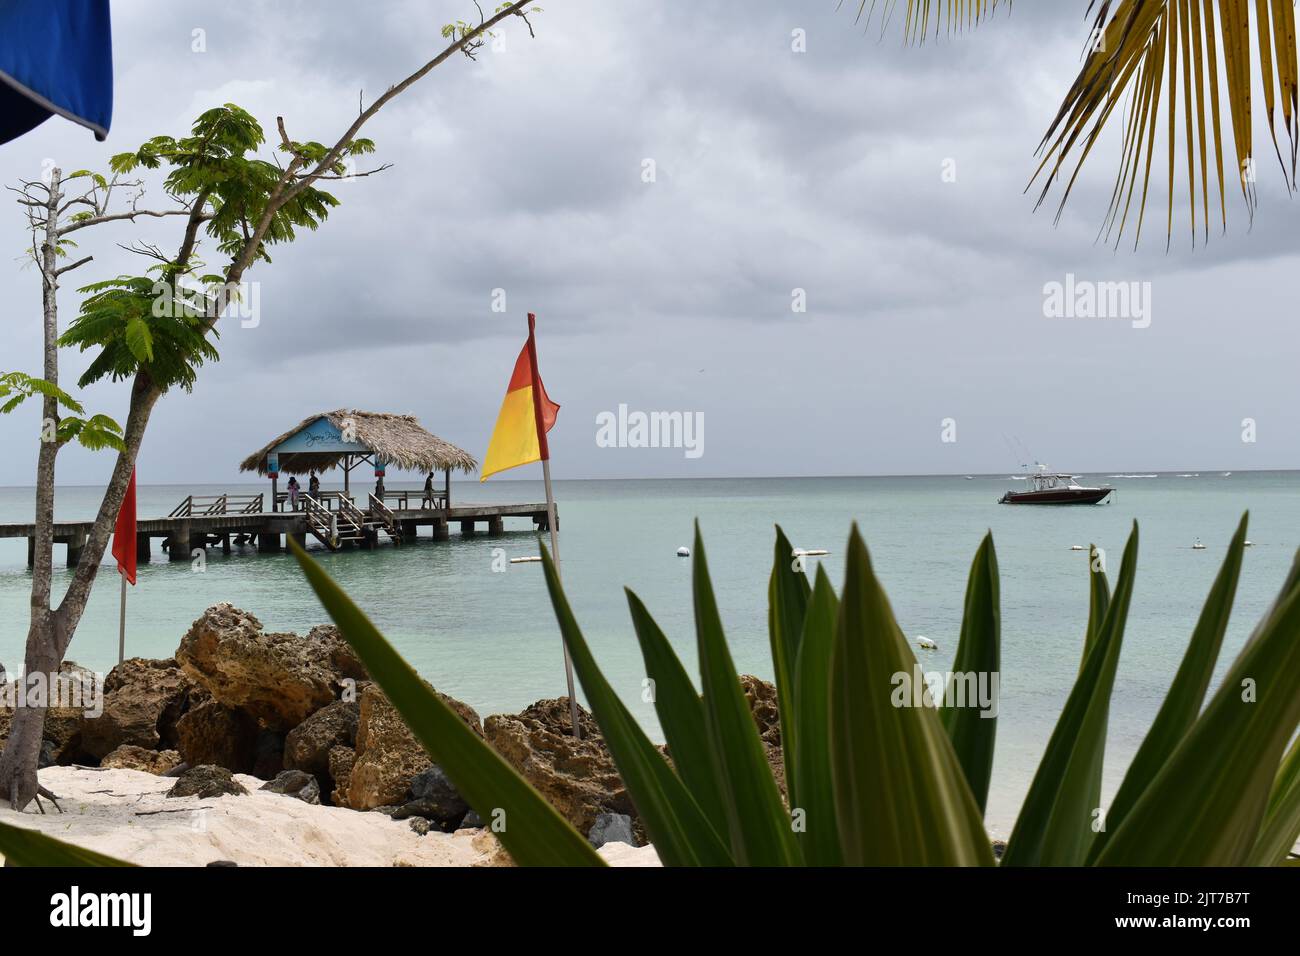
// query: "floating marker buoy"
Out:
[536,557]
[1198,546]
[926,644]
[808,553]
[683,552]
[1076,547]
[1250,544]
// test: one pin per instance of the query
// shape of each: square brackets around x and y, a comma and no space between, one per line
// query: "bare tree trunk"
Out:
[22,751]
[51,631]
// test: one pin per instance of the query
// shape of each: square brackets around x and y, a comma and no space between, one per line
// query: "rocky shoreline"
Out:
[300,716]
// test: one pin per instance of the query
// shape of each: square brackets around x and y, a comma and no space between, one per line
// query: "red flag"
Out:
[124,534]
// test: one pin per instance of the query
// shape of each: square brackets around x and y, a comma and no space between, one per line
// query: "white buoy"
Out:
[683,552]
[536,557]
[1198,546]
[1076,547]
[926,644]
[808,552]
[1250,544]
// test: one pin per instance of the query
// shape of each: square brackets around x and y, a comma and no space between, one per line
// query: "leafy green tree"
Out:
[156,331]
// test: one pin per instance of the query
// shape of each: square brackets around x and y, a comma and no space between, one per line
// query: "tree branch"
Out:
[96,220]
[69,268]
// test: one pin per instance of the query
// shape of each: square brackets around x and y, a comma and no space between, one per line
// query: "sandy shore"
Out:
[125,813]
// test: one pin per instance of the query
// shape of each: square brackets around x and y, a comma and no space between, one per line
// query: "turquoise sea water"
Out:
[489,637]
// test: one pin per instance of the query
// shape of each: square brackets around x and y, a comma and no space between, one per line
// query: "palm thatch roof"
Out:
[398,440]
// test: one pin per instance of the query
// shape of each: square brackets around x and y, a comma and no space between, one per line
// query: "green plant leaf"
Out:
[22,847]
[1098,602]
[1186,693]
[1055,826]
[677,826]
[901,796]
[534,833]
[761,834]
[787,603]
[1208,802]
[1281,826]
[681,715]
[820,837]
[972,732]
[139,339]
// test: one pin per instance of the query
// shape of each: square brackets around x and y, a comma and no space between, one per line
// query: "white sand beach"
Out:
[126,814]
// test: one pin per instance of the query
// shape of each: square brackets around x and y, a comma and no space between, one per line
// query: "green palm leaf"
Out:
[1186,693]
[760,832]
[677,826]
[972,731]
[1056,823]
[1208,802]
[820,835]
[681,714]
[1281,826]
[787,596]
[534,833]
[901,796]
[23,847]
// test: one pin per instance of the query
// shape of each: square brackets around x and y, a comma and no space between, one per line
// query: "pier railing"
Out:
[381,513]
[205,505]
[320,522]
[351,520]
[411,500]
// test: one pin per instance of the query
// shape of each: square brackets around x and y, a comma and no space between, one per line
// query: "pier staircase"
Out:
[382,519]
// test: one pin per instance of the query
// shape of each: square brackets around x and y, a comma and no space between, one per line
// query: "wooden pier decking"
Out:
[331,518]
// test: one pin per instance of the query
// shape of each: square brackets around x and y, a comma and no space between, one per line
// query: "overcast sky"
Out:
[775,170]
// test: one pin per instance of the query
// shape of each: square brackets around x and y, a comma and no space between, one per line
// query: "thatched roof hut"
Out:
[344,436]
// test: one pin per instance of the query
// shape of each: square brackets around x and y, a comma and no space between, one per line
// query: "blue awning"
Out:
[56,56]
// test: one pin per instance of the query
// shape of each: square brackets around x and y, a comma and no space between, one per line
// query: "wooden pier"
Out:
[333,519]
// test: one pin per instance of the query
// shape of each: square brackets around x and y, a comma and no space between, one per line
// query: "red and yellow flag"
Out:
[526,415]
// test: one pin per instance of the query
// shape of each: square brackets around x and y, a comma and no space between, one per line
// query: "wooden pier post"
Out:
[496,524]
[178,542]
[467,528]
[410,530]
[300,537]
[268,542]
[440,530]
[142,545]
[31,551]
[76,545]
[225,543]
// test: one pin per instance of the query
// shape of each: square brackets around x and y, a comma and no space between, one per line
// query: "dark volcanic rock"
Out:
[295,783]
[611,828]
[268,754]
[307,747]
[213,733]
[206,781]
[143,699]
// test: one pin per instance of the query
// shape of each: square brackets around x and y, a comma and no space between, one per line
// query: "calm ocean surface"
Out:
[490,638]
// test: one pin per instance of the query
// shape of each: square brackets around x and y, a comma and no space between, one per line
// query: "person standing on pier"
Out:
[313,485]
[428,491]
[293,492]
[379,487]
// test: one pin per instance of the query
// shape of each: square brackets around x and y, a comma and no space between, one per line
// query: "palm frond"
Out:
[930,19]
[1146,51]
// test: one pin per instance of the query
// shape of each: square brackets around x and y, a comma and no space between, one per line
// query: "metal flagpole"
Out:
[121,626]
[555,553]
